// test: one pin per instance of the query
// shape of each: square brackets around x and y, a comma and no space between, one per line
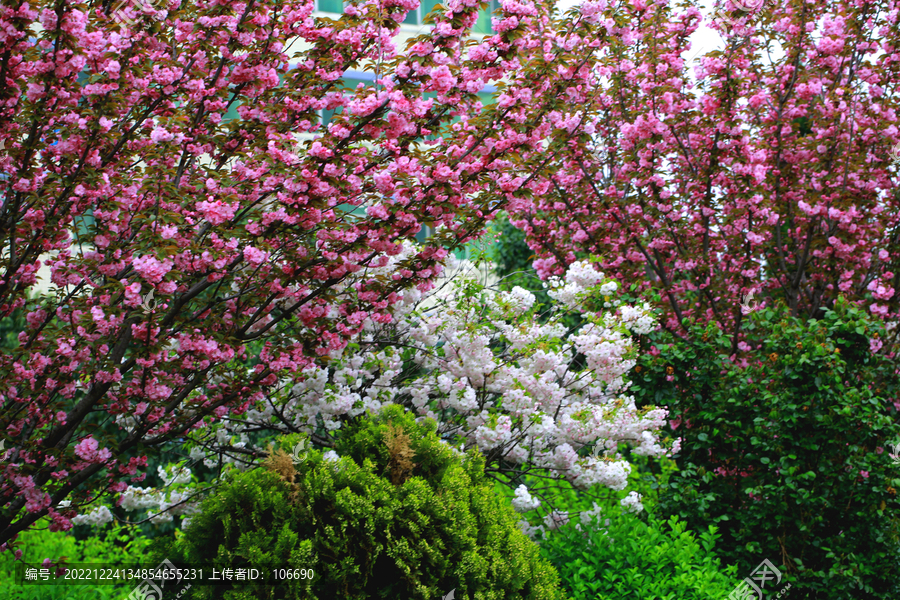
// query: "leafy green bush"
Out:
[630,559]
[399,515]
[647,560]
[119,546]
[788,454]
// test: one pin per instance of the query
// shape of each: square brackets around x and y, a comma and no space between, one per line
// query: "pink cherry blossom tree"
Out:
[772,171]
[177,237]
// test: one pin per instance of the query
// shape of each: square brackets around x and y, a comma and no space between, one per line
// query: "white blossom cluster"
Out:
[637,320]
[589,519]
[555,520]
[174,506]
[589,516]
[331,456]
[178,475]
[532,531]
[138,498]
[632,502]
[161,503]
[98,516]
[504,399]
[491,374]
[523,501]
[579,277]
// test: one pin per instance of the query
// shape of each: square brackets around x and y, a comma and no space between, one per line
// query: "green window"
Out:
[83,223]
[330,6]
[426,7]
[328,115]
[349,85]
[417,17]
[483,25]
[232,112]
[424,234]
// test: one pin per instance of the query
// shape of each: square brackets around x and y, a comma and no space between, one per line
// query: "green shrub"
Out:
[630,559]
[648,477]
[119,546]
[647,560]
[400,515]
[789,455]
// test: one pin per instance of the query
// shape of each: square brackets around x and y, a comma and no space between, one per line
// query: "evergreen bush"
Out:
[399,515]
[512,259]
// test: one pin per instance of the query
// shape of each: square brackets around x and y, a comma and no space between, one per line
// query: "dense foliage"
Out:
[629,559]
[512,258]
[604,546]
[787,446]
[400,514]
[10,326]
[118,546]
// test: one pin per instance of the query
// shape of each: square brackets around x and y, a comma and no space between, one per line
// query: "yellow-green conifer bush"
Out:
[399,515]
